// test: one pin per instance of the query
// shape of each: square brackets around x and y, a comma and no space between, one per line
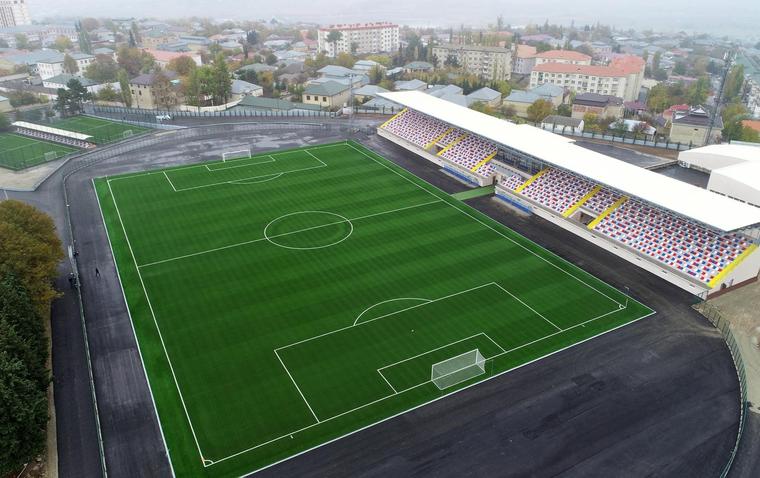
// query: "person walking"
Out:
[97,272]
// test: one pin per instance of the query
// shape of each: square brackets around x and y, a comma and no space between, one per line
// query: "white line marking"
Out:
[428,402]
[170,181]
[342,220]
[395,392]
[231,181]
[385,302]
[529,307]
[265,179]
[297,387]
[272,160]
[152,313]
[229,246]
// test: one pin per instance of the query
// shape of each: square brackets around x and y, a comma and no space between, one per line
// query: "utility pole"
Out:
[729,58]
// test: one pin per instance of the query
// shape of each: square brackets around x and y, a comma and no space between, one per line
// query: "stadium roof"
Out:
[711,209]
[55,131]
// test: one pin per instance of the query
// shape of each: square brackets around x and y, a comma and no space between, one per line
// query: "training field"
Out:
[19,152]
[286,300]
[102,131]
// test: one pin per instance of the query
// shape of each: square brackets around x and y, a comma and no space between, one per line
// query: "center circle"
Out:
[305,230]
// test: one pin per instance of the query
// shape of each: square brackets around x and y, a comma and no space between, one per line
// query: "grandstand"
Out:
[698,240]
[54,135]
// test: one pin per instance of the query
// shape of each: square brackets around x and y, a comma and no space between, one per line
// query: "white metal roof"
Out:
[709,208]
[56,131]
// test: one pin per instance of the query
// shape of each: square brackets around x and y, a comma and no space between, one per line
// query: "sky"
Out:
[737,18]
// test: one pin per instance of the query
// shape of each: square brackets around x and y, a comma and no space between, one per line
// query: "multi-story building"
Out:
[525,59]
[151,94]
[488,62]
[692,127]
[622,77]
[359,38]
[14,13]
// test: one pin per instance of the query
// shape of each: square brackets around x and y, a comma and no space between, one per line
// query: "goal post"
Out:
[51,155]
[127,134]
[240,154]
[454,370]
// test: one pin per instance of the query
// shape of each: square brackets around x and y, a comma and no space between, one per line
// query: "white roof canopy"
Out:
[55,131]
[701,205]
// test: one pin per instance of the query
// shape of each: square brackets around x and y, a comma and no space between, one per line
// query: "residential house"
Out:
[555,94]
[488,62]
[155,38]
[602,106]
[368,92]
[418,67]
[520,100]
[329,94]
[241,89]
[365,66]
[692,127]
[486,96]
[562,124]
[163,58]
[451,93]
[147,94]
[410,85]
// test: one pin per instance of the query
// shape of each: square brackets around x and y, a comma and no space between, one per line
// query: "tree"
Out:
[679,68]
[499,22]
[163,91]
[252,37]
[334,37]
[451,61]
[5,123]
[249,75]
[539,110]
[135,33]
[134,60]
[697,92]
[222,82]
[346,60]
[354,47]
[103,69]
[70,65]
[89,23]
[69,100]
[732,115]
[83,36]
[30,248]
[734,83]
[565,110]
[183,65]
[107,93]
[62,43]
[22,41]
[271,59]
[126,96]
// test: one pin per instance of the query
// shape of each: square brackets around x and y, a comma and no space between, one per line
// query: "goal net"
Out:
[127,134]
[50,155]
[243,153]
[454,370]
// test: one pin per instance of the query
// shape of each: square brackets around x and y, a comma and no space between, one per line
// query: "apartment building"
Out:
[14,13]
[622,77]
[525,59]
[488,62]
[54,66]
[359,38]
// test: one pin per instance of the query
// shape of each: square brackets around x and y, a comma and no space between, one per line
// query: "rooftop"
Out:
[327,88]
[64,78]
[569,68]
[713,210]
[564,55]
[596,99]
[484,94]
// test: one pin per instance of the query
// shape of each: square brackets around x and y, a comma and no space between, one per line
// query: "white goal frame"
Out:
[51,155]
[457,369]
[127,134]
[239,154]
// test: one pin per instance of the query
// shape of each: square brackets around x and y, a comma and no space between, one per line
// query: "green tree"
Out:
[22,41]
[89,23]
[103,69]
[5,123]
[346,60]
[679,68]
[539,110]
[62,43]
[126,95]
[732,115]
[83,38]
[183,65]
[697,92]
[270,59]
[734,83]
[334,37]
[70,65]
[565,110]
[29,247]
[107,93]
[163,92]
[222,82]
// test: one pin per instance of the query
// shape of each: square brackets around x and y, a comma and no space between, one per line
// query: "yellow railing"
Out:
[438,138]
[607,212]
[484,161]
[531,179]
[452,144]
[716,280]
[394,117]
[583,200]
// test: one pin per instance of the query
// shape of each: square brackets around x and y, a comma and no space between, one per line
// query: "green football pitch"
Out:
[102,131]
[283,301]
[19,152]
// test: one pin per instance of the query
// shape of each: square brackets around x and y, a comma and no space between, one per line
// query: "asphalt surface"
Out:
[658,397]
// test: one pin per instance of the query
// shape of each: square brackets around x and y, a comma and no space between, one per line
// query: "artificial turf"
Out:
[102,131]
[285,300]
[19,152]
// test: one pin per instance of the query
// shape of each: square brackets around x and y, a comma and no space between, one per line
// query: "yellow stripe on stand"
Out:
[531,179]
[394,117]
[484,161]
[607,212]
[715,280]
[438,138]
[452,144]
[583,200]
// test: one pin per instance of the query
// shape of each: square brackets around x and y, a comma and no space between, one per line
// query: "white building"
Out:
[14,13]
[54,67]
[489,62]
[364,37]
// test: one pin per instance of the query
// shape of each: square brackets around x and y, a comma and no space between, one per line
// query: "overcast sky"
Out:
[729,17]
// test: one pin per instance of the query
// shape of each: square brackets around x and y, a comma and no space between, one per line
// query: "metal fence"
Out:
[152,116]
[712,313]
[640,139]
